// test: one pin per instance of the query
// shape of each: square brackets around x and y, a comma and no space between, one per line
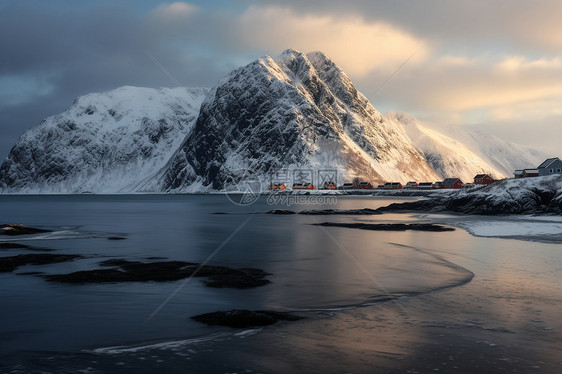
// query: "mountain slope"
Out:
[503,155]
[447,156]
[464,153]
[298,111]
[106,142]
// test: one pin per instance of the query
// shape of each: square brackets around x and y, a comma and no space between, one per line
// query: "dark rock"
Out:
[364,211]
[280,211]
[11,263]
[134,271]
[411,206]
[389,226]
[18,229]
[244,318]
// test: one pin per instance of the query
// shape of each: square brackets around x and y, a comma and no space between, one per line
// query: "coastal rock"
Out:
[364,211]
[244,318]
[389,226]
[281,211]
[537,195]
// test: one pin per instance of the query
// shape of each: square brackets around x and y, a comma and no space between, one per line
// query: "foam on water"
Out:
[173,344]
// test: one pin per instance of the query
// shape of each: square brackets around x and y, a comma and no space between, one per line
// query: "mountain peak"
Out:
[319,56]
[290,52]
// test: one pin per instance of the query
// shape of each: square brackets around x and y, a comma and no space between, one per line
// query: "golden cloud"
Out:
[358,46]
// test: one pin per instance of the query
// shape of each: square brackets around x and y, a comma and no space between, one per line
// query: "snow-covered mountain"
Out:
[297,111]
[294,112]
[109,142]
[464,153]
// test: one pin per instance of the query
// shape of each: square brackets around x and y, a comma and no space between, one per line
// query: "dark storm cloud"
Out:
[503,53]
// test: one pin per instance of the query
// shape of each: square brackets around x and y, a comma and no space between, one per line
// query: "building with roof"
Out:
[303,186]
[454,183]
[329,185]
[424,186]
[528,173]
[392,186]
[483,179]
[365,186]
[550,166]
[277,187]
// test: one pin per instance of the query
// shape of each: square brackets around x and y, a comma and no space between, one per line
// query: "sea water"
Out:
[393,295]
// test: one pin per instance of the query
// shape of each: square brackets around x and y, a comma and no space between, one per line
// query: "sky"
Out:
[493,66]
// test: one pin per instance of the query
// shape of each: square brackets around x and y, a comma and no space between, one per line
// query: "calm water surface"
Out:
[505,318]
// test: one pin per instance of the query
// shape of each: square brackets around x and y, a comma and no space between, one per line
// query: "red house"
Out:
[365,186]
[483,179]
[277,187]
[329,186]
[392,186]
[528,173]
[454,183]
[303,186]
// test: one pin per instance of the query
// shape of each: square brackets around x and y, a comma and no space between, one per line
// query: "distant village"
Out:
[548,167]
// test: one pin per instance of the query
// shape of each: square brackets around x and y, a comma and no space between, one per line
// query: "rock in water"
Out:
[19,229]
[244,318]
[121,270]
[388,226]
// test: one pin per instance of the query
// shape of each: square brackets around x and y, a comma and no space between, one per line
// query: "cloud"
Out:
[474,60]
[492,86]
[471,24]
[18,90]
[358,46]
